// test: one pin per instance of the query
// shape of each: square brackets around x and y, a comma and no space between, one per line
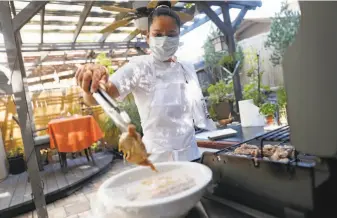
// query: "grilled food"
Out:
[246,149]
[130,143]
[270,152]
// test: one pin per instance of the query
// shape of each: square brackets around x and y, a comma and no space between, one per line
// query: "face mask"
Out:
[163,48]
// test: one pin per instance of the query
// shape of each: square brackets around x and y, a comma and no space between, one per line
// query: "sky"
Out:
[194,40]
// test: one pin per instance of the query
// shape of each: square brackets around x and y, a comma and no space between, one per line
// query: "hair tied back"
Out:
[166,4]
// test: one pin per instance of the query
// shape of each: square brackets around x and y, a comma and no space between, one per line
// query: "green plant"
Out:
[15,152]
[228,64]
[250,91]
[281,98]
[102,59]
[268,109]
[220,92]
[283,29]
[189,5]
[229,61]
[255,89]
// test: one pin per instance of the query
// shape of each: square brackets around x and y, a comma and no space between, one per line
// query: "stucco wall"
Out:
[273,76]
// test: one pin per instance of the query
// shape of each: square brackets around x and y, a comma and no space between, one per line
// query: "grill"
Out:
[297,188]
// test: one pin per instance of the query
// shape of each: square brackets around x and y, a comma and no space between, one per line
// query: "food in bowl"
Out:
[157,186]
[142,193]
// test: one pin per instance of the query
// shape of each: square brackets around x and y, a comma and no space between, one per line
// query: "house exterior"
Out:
[252,27]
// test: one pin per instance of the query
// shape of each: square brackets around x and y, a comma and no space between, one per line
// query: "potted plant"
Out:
[16,160]
[221,99]
[268,110]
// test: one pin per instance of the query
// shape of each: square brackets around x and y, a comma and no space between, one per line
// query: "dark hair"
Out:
[163,8]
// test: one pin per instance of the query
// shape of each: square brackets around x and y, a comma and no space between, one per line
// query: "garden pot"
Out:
[270,120]
[17,165]
[223,109]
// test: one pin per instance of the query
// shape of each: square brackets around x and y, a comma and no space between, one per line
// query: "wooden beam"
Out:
[83,17]
[231,50]
[78,13]
[27,13]
[204,6]
[70,23]
[106,35]
[236,23]
[230,35]
[132,35]
[237,4]
[249,4]
[72,31]
[79,46]
[12,8]
[198,22]
[53,58]
[51,80]
[42,23]
[22,101]
[14,14]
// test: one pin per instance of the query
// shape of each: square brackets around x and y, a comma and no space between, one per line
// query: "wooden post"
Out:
[19,87]
[232,49]
[226,28]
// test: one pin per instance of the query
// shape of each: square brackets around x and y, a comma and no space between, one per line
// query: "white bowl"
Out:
[173,206]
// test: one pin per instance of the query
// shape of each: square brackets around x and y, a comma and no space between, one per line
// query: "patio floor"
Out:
[78,205]
[15,190]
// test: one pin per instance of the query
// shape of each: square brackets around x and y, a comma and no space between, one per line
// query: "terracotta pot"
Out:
[270,120]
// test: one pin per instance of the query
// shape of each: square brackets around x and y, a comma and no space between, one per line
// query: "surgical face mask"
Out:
[163,48]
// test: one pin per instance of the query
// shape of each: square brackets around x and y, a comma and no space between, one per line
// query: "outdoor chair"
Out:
[40,142]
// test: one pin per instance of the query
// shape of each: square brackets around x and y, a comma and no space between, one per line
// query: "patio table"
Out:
[74,134]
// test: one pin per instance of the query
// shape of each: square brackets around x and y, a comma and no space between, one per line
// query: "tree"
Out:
[283,29]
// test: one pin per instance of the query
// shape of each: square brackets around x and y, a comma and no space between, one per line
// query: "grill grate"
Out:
[279,135]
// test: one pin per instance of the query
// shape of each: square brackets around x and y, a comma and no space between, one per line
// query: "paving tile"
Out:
[57,213]
[86,214]
[65,201]
[91,196]
[50,206]
[26,215]
[78,207]
[73,216]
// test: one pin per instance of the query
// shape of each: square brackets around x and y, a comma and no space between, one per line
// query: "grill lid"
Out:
[310,77]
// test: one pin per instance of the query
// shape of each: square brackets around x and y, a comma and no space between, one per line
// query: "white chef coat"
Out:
[164,104]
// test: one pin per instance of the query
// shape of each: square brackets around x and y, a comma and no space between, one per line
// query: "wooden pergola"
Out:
[19,51]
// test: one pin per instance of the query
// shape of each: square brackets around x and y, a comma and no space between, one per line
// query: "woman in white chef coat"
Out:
[166,91]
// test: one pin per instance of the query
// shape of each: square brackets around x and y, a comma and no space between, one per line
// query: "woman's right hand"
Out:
[89,77]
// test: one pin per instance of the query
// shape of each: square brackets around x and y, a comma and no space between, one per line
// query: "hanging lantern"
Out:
[219,43]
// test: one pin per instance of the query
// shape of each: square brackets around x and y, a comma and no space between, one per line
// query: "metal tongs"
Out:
[110,106]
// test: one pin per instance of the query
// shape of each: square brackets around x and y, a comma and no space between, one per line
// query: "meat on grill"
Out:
[270,152]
